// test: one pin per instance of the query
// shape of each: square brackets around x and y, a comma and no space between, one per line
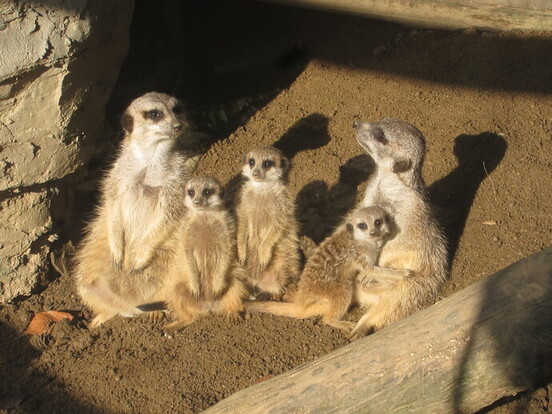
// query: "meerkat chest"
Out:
[261,207]
[204,233]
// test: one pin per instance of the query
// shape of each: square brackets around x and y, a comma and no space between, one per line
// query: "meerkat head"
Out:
[369,223]
[393,144]
[203,193]
[154,116]
[265,164]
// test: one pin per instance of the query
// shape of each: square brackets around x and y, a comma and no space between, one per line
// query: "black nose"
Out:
[177,127]
[255,173]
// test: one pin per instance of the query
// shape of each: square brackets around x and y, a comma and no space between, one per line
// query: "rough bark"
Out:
[490,340]
[447,14]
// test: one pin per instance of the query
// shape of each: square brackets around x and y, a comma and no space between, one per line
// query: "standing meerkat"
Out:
[327,286]
[267,227]
[125,251]
[206,277]
[419,246]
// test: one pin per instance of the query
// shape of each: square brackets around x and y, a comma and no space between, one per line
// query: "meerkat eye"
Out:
[191,192]
[378,222]
[251,162]
[380,136]
[267,164]
[362,226]
[154,115]
[207,192]
[177,109]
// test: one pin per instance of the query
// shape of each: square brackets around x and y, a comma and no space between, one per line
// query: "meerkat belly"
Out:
[207,246]
[139,213]
[260,219]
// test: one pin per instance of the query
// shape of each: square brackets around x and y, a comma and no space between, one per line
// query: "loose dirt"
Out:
[484,103]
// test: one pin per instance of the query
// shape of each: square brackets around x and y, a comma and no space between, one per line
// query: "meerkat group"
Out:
[161,235]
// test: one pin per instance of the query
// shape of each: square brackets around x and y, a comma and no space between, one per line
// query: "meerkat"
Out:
[126,250]
[267,238]
[419,246]
[327,286]
[206,277]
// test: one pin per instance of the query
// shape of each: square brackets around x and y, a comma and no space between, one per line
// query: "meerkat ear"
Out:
[284,164]
[350,228]
[402,165]
[127,122]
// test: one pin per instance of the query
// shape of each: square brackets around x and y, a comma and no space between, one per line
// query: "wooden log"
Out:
[495,15]
[489,340]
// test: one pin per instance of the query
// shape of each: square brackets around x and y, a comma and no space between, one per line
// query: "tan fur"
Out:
[127,248]
[419,246]
[328,283]
[206,277]
[267,227]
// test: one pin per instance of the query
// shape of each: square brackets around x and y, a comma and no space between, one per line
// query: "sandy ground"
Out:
[483,102]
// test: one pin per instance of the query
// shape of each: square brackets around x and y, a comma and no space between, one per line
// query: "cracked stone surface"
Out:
[59,64]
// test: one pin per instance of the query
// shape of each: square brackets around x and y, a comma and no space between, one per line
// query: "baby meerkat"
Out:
[419,246]
[268,244]
[206,277]
[327,286]
[125,253]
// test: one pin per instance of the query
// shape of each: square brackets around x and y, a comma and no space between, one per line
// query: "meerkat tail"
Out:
[287,309]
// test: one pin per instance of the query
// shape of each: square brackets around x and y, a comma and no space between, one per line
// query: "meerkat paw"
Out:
[117,264]
[155,317]
[267,296]
[234,317]
[177,325]
[217,295]
[98,320]
[139,266]
[346,326]
[242,256]
[359,332]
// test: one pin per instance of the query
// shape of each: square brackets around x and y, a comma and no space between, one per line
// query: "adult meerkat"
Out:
[206,277]
[125,252]
[419,246]
[327,286]
[267,228]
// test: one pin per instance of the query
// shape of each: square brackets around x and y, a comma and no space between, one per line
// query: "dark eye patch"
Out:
[207,192]
[379,135]
[362,226]
[154,114]
[251,162]
[268,164]
[191,192]
[378,222]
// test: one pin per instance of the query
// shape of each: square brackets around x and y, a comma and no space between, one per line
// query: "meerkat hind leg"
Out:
[232,302]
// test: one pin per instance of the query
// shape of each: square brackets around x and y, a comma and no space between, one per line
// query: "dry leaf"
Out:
[489,223]
[43,322]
